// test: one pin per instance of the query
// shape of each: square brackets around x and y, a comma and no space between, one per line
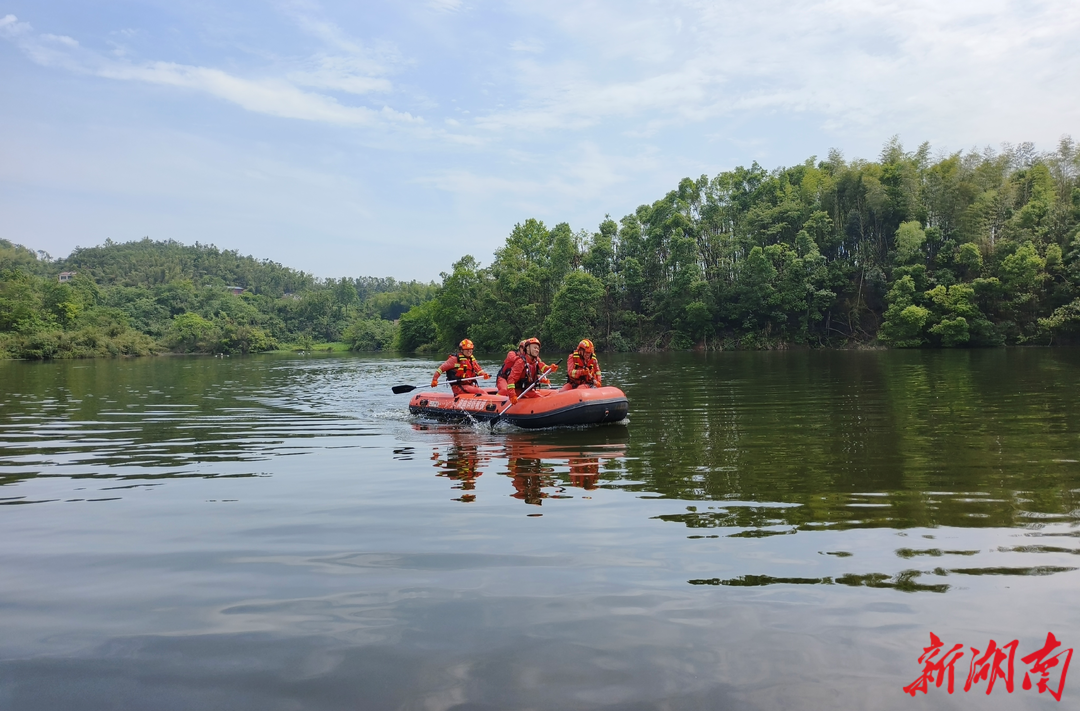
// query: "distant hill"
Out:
[142,297]
[149,263]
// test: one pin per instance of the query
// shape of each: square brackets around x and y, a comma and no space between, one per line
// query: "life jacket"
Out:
[577,362]
[467,367]
[530,374]
[508,364]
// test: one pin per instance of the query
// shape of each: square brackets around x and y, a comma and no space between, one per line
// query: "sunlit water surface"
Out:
[767,530]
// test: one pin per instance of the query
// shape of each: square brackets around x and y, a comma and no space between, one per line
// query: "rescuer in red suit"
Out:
[461,370]
[508,365]
[582,368]
[527,371]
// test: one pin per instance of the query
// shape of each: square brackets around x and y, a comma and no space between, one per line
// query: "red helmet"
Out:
[586,346]
[530,341]
[465,344]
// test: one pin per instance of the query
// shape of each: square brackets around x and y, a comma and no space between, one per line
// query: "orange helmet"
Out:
[530,341]
[465,345]
[586,346]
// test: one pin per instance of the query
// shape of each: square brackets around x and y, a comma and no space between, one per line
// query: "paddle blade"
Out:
[398,389]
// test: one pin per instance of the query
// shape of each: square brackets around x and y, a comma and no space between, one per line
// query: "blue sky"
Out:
[391,138]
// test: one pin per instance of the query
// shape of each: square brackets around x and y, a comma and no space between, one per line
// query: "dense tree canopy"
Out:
[967,249]
[975,249]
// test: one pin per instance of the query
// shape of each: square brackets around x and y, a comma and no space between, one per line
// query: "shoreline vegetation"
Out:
[970,249]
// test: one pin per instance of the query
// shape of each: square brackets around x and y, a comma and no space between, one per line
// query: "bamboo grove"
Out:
[968,249]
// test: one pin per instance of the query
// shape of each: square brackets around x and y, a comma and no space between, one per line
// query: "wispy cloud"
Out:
[582,172]
[856,62]
[533,46]
[268,96]
[346,74]
[275,96]
[445,5]
[11,27]
[379,59]
[61,40]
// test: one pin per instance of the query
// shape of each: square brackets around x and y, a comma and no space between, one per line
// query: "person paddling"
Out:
[462,370]
[508,365]
[528,371]
[582,368]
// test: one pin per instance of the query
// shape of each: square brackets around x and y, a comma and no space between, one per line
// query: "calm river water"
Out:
[766,531]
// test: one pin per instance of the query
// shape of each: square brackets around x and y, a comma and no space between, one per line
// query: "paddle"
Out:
[549,369]
[398,389]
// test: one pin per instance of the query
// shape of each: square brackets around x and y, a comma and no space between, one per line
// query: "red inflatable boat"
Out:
[554,408]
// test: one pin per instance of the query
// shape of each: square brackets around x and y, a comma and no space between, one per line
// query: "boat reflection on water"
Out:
[533,468]
[539,465]
[461,462]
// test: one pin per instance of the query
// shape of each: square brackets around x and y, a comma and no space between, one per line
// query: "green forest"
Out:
[146,297]
[967,249]
[970,249]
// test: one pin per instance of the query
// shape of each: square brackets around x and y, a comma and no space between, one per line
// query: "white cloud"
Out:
[11,27]
[960,65]
[583,172]
[375,61]
[269,96]
[346,74]
[61,39]
[567,97]
[445,5]
[533,46]
[274,96]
